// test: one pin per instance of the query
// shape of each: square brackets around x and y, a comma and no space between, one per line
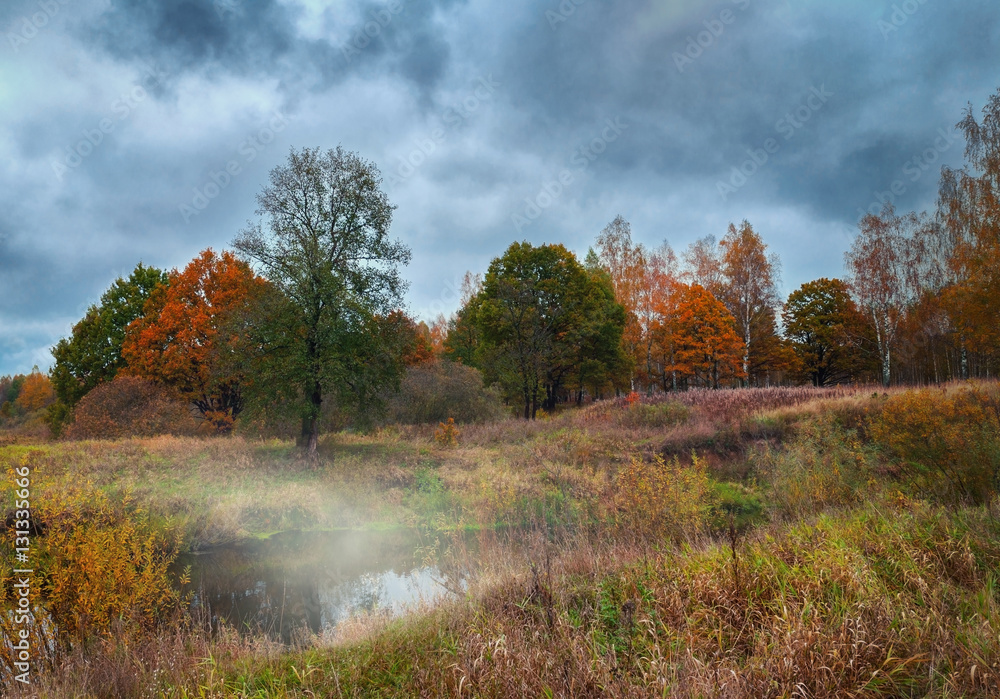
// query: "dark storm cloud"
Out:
[698,88]
[258,38]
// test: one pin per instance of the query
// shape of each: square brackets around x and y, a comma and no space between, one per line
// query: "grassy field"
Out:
[766,542]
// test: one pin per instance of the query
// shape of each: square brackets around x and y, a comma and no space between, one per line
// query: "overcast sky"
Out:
[141,130]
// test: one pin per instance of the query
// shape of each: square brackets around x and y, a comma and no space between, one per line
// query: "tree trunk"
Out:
[309,439]
[886,374]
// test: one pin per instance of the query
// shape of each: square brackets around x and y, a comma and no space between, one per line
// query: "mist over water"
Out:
[295,582]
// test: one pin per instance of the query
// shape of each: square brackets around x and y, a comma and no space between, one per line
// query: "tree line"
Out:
[305,316]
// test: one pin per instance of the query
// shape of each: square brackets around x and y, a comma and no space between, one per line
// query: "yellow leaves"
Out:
[447,433]
[947,444]
[663,499]
[99,561]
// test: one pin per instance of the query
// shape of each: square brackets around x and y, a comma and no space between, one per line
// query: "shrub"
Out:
[98,562]
[435,391]
[824,466]
[447,433]
[130,406]
[947,446]
[660,499]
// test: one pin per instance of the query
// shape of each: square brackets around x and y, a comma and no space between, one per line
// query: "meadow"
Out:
[759,542]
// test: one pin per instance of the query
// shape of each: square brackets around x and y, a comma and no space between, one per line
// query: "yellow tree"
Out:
[36,392]
[640,278]
[625,263]
[664,334]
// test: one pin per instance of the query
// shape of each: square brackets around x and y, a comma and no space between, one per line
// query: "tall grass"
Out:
[814,544]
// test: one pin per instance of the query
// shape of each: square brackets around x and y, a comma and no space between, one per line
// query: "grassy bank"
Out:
[753,543]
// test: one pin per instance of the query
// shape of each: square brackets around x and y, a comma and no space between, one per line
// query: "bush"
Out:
[947,446]
[824,466]
[99,562]
[130,407]
[659,499]
[435,391]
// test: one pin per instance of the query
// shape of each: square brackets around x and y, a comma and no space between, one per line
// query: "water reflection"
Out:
[311,580]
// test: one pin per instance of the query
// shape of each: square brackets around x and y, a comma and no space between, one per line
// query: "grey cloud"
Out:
[226,63]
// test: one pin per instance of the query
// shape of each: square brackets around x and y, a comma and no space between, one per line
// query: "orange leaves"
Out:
[102,562]
[709,350]
[643,281]
[188,334]
[36,393]
[947,444]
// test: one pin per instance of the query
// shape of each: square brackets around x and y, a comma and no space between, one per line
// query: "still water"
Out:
[313,581]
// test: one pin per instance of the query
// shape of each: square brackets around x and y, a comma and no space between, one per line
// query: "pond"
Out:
[296,581]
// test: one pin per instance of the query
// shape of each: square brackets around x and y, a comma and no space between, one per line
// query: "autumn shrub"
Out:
[130,406]
[946,444]
[660,499]
[824,465]
[447,433]
[435,391]
[97,563]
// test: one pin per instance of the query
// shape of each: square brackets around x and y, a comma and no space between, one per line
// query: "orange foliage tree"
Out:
[665,336]
[643,281]
[36,392]
[189,334]
[709,350]
[971,206]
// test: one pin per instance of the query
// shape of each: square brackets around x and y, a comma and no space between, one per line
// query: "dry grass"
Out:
[623,581]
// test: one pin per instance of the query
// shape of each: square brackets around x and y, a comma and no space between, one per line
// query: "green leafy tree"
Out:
[92,354]
[327,331]
[826,331]
[539,315]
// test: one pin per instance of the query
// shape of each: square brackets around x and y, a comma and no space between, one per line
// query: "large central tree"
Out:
[323,241]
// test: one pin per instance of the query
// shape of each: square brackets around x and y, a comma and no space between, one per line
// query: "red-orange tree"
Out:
[189,332]
[709,350]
